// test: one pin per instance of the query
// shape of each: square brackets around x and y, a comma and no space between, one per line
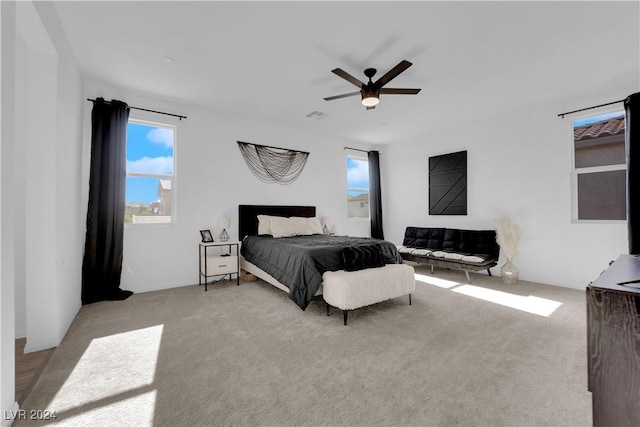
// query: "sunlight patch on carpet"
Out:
[530,304]
[430,280]
[133,411]
[113,369]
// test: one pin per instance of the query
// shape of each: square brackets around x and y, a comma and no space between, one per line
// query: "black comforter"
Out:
[299,262]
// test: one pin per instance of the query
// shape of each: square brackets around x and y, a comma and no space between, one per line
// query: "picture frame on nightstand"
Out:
[207,237]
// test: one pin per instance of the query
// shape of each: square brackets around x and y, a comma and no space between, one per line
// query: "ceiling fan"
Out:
[371,91]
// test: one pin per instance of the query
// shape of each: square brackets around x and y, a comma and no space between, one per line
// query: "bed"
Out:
[296,264]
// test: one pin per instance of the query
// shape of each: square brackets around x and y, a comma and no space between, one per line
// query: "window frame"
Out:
[171,178]
[575,172]
[359,157]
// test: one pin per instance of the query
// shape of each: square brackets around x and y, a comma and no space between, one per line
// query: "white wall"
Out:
[520,151]
[40,234]
[212,179]
[7,270]
[68,219]
[19,190]
[519,166]
[47,160]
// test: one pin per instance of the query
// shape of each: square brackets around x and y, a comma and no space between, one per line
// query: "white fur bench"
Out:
[348,290]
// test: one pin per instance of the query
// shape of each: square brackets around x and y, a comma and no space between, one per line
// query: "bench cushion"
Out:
[348,290]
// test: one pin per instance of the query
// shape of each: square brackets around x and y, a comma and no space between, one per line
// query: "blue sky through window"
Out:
[149,152]
[141,190]
[590,120]
[357,175]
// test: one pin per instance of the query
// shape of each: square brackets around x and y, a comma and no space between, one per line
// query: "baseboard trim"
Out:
[38,347]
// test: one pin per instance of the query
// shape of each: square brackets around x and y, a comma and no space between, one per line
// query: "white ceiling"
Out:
[273,60]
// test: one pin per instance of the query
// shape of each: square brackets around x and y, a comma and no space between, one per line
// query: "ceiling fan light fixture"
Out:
[370,91]
[370,100]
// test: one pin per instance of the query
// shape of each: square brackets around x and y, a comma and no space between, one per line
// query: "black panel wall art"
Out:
[448,184]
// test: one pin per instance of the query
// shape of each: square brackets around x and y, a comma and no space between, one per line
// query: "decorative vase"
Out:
[509,273]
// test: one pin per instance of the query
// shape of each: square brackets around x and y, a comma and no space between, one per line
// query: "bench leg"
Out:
[344,316]
[327,309]
[432,269]
[468,278]
[489,271]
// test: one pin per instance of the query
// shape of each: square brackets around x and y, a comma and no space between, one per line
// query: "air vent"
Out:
[317,115]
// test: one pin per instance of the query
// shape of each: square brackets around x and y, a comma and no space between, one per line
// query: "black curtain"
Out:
[632,144]
[102,263]
[375,195]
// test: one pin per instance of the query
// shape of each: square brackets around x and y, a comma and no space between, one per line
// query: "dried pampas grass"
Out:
[508,236]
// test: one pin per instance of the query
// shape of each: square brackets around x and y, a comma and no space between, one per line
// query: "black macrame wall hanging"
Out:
[448,184]
[273,164]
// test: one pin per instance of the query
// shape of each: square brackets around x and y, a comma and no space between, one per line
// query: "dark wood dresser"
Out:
[613,343]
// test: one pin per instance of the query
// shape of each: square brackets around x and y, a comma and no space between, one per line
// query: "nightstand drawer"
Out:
[220,265]
[213,265]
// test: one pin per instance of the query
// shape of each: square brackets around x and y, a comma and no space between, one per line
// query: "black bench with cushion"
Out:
[468,250]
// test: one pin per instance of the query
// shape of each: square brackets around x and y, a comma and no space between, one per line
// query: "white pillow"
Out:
[314,225]
[300,226]
[286,227]
[451,255]
[264,223]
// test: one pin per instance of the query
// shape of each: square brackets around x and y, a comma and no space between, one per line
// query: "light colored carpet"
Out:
[248,355]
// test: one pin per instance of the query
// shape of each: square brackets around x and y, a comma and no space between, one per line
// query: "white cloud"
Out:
[161,136]
[358,174]
[151,165]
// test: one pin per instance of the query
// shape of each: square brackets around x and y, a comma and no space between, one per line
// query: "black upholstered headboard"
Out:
[248,215]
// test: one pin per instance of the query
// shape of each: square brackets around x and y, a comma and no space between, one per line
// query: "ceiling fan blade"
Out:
[391,91]
[344,95]
[371,108]
[348,77]
[393,73]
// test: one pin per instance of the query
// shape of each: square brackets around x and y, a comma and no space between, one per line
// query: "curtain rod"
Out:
[561,115]
[270,146]
[355,149]
[144,109]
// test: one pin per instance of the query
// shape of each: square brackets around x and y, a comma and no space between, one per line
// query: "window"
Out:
[599,169]
[357,187]
[150,173]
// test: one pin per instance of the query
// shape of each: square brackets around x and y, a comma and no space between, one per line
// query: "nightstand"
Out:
[215,263]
